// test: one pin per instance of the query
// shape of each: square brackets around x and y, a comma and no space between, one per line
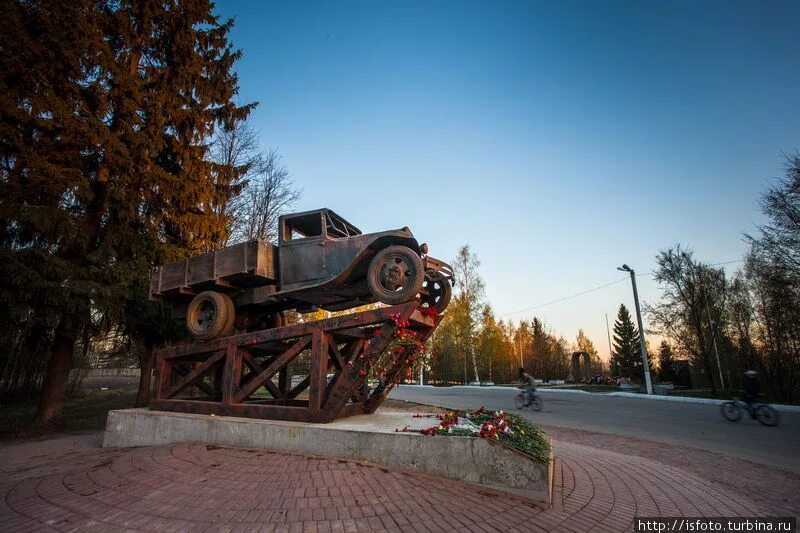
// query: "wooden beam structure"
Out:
[251,375]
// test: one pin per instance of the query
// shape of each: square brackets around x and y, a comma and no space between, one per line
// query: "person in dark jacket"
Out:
[528,384]
[752,387]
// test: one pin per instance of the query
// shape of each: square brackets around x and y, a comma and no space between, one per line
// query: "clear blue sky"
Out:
[559,139]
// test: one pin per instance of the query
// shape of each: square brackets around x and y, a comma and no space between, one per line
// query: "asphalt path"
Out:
[685,424]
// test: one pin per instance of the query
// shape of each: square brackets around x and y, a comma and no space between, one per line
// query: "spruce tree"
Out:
[627,351]
[666,362]
[106,110]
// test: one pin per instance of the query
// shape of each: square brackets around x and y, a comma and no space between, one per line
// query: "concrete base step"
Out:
[369,438]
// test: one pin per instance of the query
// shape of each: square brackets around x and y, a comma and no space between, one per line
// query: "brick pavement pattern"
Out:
[195,487]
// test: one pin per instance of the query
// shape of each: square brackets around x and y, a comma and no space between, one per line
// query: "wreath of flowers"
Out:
[403,350]
[491,428]
[509,430]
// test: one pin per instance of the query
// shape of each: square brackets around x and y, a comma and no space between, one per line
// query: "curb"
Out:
[498,387]
[688,399]
[680,399]
[541,390]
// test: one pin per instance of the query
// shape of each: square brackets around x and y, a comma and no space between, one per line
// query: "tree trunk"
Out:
[146,363]
[56,379]
[475,367]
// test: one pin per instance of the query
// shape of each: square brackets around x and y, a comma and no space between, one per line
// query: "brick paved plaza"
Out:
[70,484]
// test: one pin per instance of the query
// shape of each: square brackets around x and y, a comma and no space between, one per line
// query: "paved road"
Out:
[694,425]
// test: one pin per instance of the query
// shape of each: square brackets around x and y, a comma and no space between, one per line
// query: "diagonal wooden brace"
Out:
[194,374]
[271,369]
[256,368]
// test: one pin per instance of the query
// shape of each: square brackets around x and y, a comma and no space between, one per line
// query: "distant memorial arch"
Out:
[581,371]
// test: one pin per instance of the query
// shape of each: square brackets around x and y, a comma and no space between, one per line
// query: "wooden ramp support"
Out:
[250,375]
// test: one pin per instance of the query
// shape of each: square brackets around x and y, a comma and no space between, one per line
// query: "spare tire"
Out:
[210,315]
[439,291]
[395,275]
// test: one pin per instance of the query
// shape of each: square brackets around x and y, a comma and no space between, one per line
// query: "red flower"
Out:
[488,430]
[430,311]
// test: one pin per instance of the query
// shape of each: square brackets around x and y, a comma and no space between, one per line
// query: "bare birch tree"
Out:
[692,312]
[265,190]
[270,193]
[467,305]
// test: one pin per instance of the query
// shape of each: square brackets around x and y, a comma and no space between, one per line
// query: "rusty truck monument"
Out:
[245,360]
[272,384]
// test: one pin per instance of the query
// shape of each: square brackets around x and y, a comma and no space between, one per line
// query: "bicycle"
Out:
[535,402]
[762,412]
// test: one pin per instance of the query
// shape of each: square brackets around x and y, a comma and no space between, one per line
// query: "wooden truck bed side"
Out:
[248,264]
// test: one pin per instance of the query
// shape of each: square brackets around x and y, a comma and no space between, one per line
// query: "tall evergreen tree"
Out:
[627,350]
[666,362]
[104,123]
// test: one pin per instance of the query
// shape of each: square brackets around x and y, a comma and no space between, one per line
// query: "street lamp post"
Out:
[647,382]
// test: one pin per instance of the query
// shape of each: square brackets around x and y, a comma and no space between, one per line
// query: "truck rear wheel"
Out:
[210,315]
[395,275]
[276,320]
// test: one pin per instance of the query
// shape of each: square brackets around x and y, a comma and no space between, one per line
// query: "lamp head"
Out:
[624,268]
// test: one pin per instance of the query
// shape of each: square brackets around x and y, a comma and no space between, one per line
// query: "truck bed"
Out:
[248,264]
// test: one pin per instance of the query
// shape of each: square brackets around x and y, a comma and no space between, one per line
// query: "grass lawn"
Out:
[86,411]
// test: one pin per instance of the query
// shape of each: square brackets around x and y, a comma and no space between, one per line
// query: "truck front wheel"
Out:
[395,275]
[210,315]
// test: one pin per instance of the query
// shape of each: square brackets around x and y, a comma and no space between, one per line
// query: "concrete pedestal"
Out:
[365,438]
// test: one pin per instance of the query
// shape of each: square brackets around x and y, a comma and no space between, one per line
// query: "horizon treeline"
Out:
[714,326]
[472,345]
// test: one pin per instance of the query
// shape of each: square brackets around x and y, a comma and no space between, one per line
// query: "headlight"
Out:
[423,247]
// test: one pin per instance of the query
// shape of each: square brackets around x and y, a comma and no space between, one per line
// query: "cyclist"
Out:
[752,388]
[528,384]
